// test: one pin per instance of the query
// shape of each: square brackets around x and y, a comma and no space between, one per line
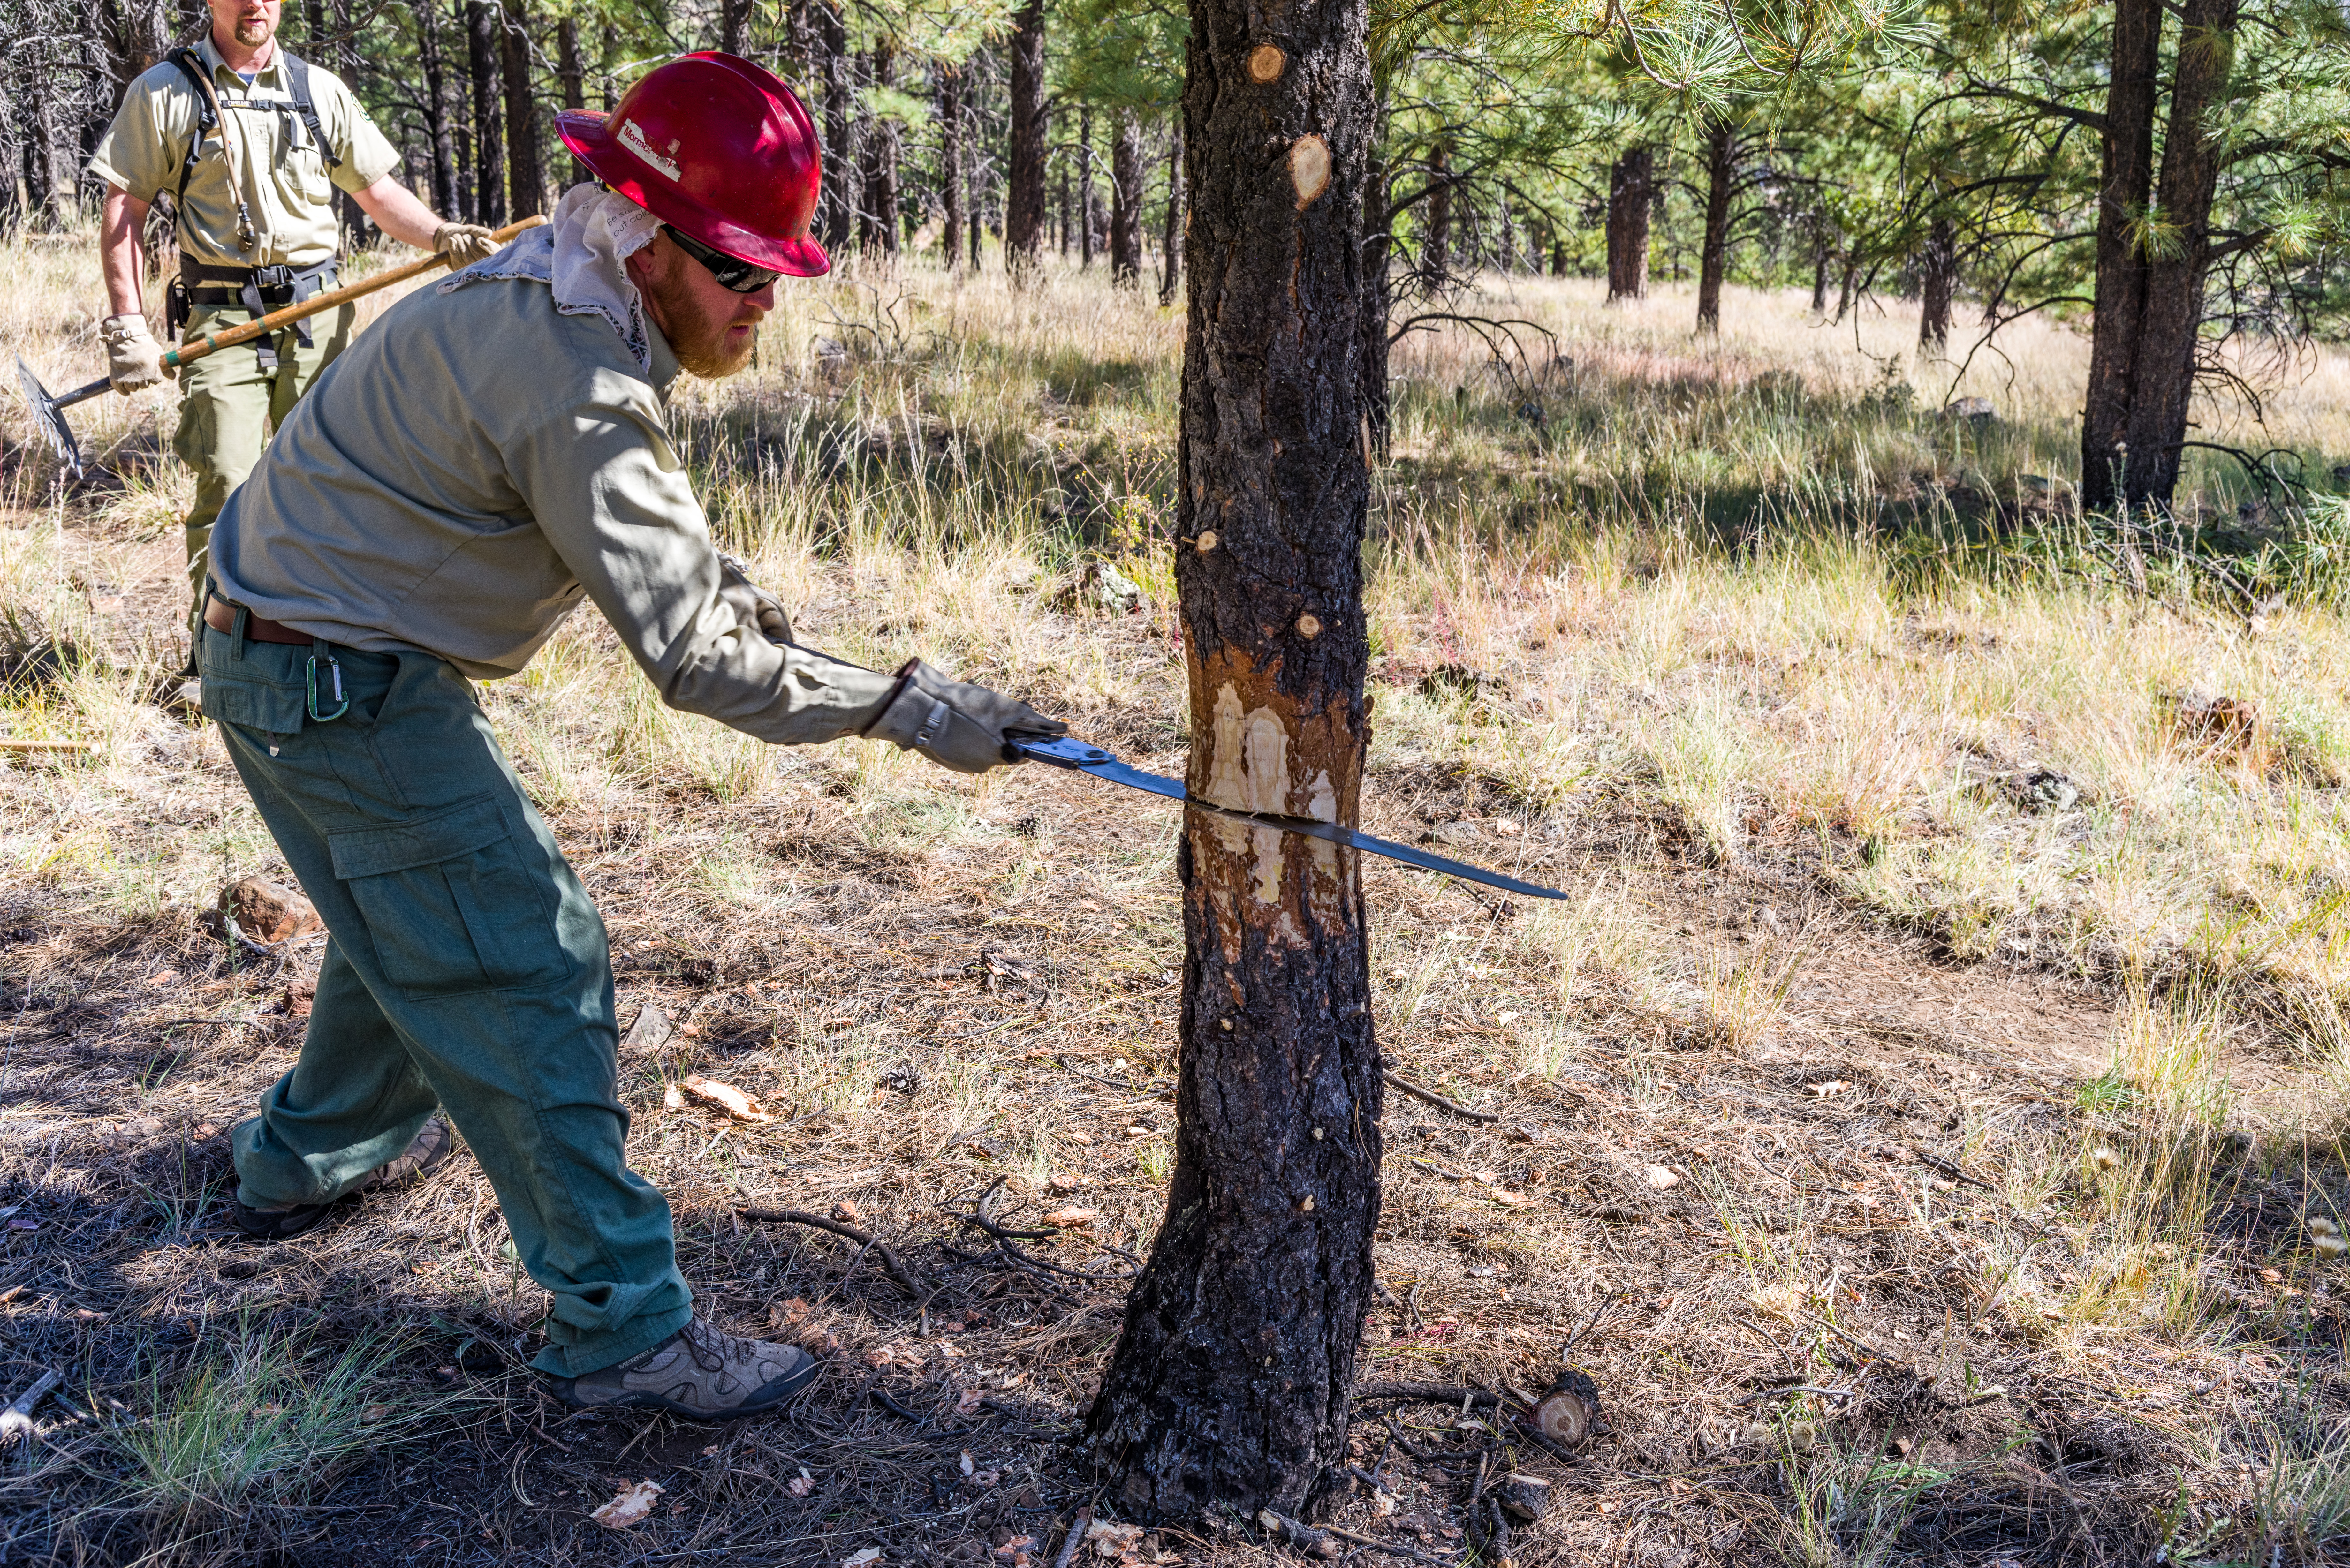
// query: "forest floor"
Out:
[1925,1120]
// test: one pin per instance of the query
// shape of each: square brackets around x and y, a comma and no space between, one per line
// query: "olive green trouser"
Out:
[228,406]
[465,965]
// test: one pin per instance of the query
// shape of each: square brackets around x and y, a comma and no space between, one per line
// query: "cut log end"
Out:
[1569,1413]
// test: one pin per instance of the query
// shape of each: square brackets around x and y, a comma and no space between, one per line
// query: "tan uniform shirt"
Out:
[474,464]
[287,187]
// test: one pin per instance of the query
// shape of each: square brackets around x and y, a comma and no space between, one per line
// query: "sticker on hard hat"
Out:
[633,139]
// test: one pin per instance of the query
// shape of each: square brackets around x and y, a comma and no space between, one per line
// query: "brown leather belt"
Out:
[221,616]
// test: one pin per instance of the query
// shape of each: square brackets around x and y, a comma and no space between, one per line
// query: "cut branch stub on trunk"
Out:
[1229,1383]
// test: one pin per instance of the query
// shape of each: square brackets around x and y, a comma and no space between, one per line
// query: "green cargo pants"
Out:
[465,965]
[228,406]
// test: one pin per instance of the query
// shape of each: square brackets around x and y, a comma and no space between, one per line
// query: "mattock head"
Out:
[50,418]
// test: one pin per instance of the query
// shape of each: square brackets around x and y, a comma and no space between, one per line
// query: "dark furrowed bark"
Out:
[526,171]
[1170,253]
[1631,190]
[1085,188]
[951,163]
[1024,200]
[1126,202]
[1436,239]
[483,59]
[1232,1376]
[572,75]
[1714,253]
[2172,312]
[877,217]
[2122,195]
[1938,283]
[437,128]
[841,185]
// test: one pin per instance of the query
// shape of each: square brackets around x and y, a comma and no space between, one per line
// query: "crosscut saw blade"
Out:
[1083,757]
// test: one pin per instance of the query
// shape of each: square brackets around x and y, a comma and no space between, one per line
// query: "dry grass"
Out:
[1894,872]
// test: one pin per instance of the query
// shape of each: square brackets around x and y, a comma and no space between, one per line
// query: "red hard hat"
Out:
[718,148]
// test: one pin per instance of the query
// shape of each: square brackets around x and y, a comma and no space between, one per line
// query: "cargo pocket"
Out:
[450,903]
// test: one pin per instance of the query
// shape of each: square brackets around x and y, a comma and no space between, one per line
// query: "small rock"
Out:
[1102,587]
[269,912]
[2043,790]
[1976,411]
[1457,833]
[1659,1177]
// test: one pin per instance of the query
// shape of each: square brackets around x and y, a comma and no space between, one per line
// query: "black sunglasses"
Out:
[731,272]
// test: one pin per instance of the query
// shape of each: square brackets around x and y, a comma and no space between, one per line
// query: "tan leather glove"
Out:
[133,361]
[954,723]
[465,244]
[755,603]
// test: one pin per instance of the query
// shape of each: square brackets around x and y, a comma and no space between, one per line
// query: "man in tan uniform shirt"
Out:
[256,231]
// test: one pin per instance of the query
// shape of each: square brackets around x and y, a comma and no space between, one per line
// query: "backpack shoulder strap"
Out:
[297,74]
[192,66]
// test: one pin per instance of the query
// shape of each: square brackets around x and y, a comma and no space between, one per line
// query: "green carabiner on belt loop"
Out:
[320,649]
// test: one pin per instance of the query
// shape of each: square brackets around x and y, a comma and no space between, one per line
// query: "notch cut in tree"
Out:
[1232,1374]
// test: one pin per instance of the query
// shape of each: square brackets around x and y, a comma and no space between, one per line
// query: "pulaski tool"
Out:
[49,412]
[1084,758]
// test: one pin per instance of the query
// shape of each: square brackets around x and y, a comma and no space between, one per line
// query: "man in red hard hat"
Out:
[492,452]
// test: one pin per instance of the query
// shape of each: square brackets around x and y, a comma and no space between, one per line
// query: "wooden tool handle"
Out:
[263,327]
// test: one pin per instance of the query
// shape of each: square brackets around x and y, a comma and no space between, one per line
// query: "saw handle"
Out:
[211,342]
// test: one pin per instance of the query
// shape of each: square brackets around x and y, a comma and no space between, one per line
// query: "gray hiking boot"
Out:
[697,1373]
[429,1148]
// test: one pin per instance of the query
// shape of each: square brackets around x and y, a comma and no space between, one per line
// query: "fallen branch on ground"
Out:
[1433,1099]
[1429,1393]
[889,1260]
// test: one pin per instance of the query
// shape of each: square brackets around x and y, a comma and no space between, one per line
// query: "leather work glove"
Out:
[754,603]
[464,243]
[133,362]
[956,725]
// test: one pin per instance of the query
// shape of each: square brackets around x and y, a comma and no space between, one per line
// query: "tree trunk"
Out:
[734,23]
[527,168]
[1378,296]
[2173,311]
[1436,243]
[572,75]
[1085,189]
[950,161]
[1233,1370]
[839,189]
[878,220]
[1631,192]
[1126,203]
[1171,251]
[482,63]
[1713,258]
[1820,277]
[973,98]
[1938,283]
[12,211]
[2126,185]
[1024,200]
[1505,255]
[1062,207]
[1846,288]
[436,110]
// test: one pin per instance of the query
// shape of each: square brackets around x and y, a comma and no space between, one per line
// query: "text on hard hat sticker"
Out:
[633,139]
